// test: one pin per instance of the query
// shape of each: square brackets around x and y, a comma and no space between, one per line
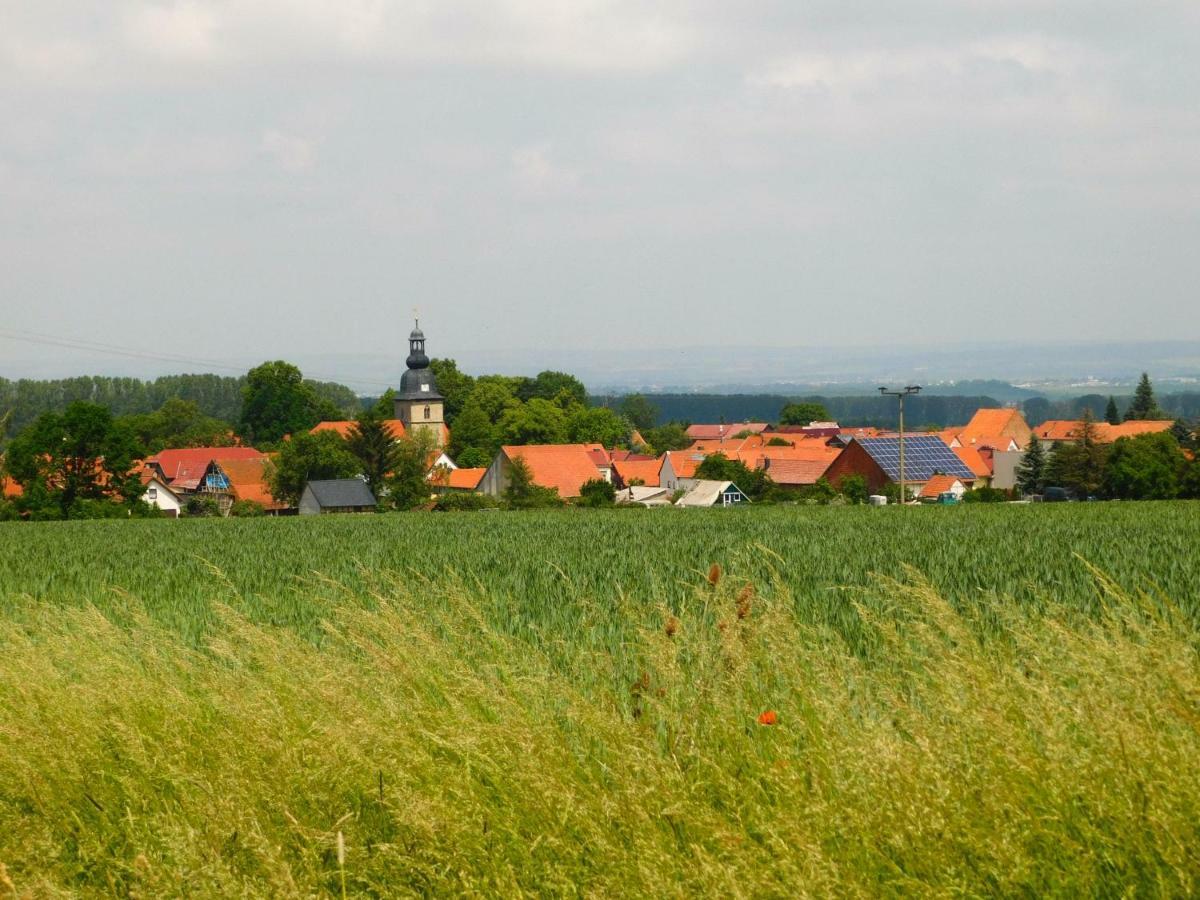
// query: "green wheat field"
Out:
[970,701]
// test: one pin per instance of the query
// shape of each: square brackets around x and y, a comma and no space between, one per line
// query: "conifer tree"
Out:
[1111,414]
[372,441]
[1144,405]
[1032,470]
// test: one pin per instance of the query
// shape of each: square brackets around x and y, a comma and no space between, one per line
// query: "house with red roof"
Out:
[997,428]
[1060,431]
[449,481]
[563,467]
[223,474]
[628,472]
[723,432]
[942,484]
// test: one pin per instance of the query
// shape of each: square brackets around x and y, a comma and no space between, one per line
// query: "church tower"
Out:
[418,403]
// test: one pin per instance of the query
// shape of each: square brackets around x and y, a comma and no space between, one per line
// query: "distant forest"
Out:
[220,396]
[919,411]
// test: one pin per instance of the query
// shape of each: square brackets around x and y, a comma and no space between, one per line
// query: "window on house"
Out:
[427,412]
[152,493]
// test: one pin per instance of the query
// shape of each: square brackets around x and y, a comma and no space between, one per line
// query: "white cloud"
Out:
[182,31]
[535,171]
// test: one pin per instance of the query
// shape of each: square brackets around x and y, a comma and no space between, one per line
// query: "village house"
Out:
[156,493]
[723,432]
[222,474]
[643,470]
[708,494]
[563,467]
[938,485]
[455,481]
[1066,431]
[878,461]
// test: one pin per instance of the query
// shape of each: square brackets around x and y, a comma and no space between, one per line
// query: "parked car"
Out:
[1055,495]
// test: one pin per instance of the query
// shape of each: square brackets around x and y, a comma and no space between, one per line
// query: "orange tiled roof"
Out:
[1057,430]
[562,466]
[716,432]
[937,484]
[1135,427]
[344,428]
[995,441]
[248,478]
[974,461]
[645,469]
[796,471]
[458,479]
[684,462]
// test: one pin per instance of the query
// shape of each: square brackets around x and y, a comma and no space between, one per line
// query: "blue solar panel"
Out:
[925,455]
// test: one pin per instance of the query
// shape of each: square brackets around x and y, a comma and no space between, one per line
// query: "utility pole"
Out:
[900,395]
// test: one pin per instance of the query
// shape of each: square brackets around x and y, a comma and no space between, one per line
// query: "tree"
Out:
[597,425]
[754,483]
[454,386]
[473,430]
[277,401]
[552,386]
[408,486]
[854,489]
[522,493]
[1037,410]
[1144,405]
[1031,472]
[597,492]
[1111,414]
[495,395]
[385,406]
[374,445]
[1146,467]
[1079,466]
[803,414]
[75,456]
[1184,435]
[536,422]
[640,411]
[310,457]
[671,436]
[179,423]
[474,458]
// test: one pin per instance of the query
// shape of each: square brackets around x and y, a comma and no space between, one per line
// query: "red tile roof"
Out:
[183,468]
[345,428]
[460,479]
[562,466]
[1135,427]
[993,422]
[10,488]
[684,462]
[645,469]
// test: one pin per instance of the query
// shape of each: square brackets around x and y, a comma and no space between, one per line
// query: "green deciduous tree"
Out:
[277,401]
[1145,467]
[473,430]
[495,395]
[639,411]
[558,387]
[474,458]
[597,425]
[754,483]
[179,423]
[1031,473]
[803,414]
[454,386]
[408,486]
[597,492]
[671,436]
[76,456]
[536,422]
[310,457]
[854,488]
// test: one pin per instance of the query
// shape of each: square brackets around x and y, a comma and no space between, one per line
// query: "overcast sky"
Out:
[258,178]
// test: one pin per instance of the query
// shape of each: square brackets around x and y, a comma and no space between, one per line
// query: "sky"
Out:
[241,180]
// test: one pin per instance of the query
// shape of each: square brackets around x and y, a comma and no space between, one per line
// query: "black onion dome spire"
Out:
[418,382]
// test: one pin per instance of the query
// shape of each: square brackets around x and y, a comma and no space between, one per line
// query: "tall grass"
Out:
[926,750]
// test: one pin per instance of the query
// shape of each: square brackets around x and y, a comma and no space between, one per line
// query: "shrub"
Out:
[247,509]
[597,492]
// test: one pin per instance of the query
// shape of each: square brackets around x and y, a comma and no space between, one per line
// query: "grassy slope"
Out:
[541,731]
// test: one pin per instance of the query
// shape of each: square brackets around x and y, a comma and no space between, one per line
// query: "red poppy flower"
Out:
[767,718]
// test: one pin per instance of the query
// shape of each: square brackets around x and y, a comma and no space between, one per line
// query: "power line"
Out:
[33,337]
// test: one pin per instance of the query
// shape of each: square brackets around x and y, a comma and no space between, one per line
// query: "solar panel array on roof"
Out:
[925,455]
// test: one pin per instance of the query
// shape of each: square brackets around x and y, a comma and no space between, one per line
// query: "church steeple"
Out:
[418,403]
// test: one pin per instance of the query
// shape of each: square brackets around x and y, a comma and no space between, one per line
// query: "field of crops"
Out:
[964,700]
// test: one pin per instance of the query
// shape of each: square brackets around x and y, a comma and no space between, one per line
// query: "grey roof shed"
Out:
[336,495]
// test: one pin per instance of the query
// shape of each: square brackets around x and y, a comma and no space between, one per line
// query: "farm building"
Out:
[340,495]
[223,474]
[644,496]
[707,494]
[942,484]
[643,471]
[878,461]
[794,474]
[1063,431]
[564,467]
[449,481]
